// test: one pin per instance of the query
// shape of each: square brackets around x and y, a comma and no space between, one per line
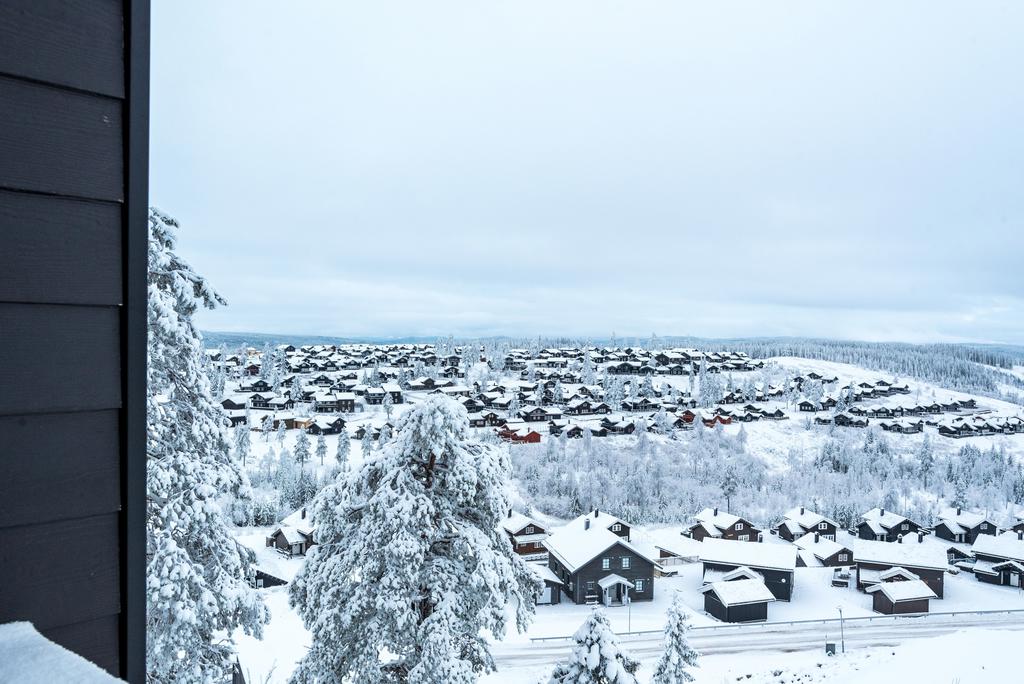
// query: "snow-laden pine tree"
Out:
[198,577]
[321,448]
[596,657]
[301,447]
[410,567]
[679,657]
[343,449]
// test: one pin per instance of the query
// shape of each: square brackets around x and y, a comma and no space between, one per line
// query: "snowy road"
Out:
[768,637]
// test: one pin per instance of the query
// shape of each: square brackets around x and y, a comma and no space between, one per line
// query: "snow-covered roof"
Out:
[1007,545]
[887,519]
[517,521]
[721,519]
[806,517]
[962,519]
[909,553]
[575,548]
[740,592]
[301,519]
[822,548]
[750,554]
[544,572]
[906,590]
[742,572]
[612,580]
[598,518]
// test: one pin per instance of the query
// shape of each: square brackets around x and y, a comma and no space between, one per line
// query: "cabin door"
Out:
[1014,579]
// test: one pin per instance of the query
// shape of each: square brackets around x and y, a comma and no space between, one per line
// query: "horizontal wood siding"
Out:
[98,638]
[59,250]
[74,43]
[73,114]
[59,358]
[64,466]
[49,136]
[64,572]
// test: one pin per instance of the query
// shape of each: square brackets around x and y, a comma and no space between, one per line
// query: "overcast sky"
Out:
[847,169]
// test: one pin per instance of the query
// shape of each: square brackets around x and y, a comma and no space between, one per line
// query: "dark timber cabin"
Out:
[74,81]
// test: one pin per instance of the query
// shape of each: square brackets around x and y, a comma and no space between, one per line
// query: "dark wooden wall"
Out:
[73,174]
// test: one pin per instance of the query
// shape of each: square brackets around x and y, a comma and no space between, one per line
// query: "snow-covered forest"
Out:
[650,478]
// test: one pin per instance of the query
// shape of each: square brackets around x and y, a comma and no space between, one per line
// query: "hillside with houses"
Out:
[754,490]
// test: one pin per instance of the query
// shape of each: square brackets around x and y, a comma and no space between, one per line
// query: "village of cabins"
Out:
[596,559]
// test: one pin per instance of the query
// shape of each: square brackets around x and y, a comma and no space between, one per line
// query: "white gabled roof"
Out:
[751,554]
[517,521]
[612,580]
[907,590]
[1007,545]
[598,518]
[964,519]
[823,548]
[909,553]
[544,572]
[887,519]
[740,592]
[808,519]
[721,520]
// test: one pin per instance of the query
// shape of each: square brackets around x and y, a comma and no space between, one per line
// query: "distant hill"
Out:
[213,338]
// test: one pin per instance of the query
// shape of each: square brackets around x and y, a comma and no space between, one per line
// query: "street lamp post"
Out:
[842,632]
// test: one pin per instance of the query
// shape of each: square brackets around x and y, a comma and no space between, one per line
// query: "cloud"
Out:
[582,167]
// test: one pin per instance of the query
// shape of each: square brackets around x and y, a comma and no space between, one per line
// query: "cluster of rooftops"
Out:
[596,558]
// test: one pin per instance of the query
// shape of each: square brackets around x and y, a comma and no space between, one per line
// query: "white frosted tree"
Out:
[321,447]
[411,568]
[301,446]
[388,404]
[596,657]
[679,657]
[367,441]
[343,449]
[198,577]
[242,443]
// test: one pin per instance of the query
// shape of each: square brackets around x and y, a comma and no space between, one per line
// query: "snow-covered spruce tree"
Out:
[678,657]
[321,448]
[301,447]
[410,567]
[198,576]
[343,449]
[596,658]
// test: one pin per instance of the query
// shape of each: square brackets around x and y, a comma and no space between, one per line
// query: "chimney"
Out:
[899,539]
[881,512]
[510,512]
[303,513]
[801,510]
[596,512]
[920,537]
[816,537]
[586,523]
[958,510]
[715,513]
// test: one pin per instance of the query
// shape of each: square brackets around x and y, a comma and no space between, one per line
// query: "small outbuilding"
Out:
[739,600]
[901,597]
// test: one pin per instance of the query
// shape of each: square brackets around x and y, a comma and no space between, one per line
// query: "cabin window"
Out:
[738,526]
[590,585]
[743,537]
[606,563]
[616,527]
[904,526]
[639,586]
[984,526]
[529,529]
[822,526]
[625,562]
[844,557]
